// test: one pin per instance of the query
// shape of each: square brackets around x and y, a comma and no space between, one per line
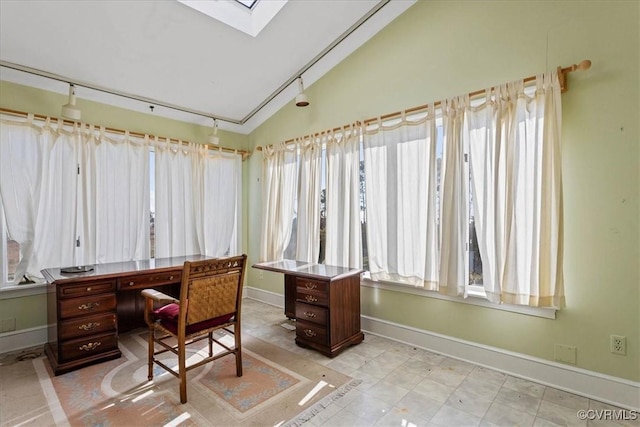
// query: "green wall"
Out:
[438,49]
[29,311]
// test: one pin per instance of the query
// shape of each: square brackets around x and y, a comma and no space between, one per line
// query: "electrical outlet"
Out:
[261,274]
[618,344]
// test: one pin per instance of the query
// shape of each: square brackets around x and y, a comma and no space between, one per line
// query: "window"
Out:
[152,203]
[464,198]
[474,281]
[9,252]
[100,207]
[290,251]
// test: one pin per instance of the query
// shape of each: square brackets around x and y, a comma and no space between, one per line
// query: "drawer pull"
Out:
[130,283]
[90,346]
[89,326]
[88,288]
[89,306]
[310,314]
[170,277]
[310,298]
[310,285]
[309,333]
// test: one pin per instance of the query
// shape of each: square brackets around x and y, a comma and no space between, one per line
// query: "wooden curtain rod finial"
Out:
[562,72]
[583,65]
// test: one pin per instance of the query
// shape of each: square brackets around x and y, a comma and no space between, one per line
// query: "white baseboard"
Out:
[266,297]
[23,339]
[604,388]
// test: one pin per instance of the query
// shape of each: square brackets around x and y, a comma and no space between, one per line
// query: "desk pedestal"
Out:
[324,301]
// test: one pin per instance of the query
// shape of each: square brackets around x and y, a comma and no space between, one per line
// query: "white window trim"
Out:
[475,298]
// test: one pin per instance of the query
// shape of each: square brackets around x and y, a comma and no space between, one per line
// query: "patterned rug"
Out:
[277,388]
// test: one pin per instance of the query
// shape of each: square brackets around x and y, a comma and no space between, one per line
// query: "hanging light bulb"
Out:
[301,98]
[213,138]
[70,110]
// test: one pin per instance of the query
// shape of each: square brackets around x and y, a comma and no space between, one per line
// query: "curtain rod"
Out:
[16,113]
[562,77]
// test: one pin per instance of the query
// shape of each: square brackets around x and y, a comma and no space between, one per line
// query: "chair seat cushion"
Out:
[168,316]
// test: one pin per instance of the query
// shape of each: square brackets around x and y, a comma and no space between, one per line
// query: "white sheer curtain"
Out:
[454,200]
[400,181]
[114,197]
[221,203]
[514,142]
[343,245]
[279,184]
[309,185]
[38,182]
[72,196]
[177,168]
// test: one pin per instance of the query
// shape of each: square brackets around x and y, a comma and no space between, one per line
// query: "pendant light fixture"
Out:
[70,110]
[301,98]
[213,138]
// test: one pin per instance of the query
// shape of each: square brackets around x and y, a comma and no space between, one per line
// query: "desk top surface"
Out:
[299,268]
[118,269]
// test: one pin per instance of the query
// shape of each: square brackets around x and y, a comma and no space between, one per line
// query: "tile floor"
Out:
[401,386]
[407,386]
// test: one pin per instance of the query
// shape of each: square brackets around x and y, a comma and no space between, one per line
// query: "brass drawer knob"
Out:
[309,285]
[88,288]
[311,298]
[89,306]
[90,346]
[170,277]
[309,333]
[310,314]
[89,326]
[130,283]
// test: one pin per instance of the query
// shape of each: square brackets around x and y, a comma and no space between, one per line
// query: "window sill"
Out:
[9,291]
[478,300]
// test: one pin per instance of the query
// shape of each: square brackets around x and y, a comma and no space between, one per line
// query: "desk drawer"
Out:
[143,281]
[311,313]
[312,291]
[311,332]
[84,306]
[309,285]
[311,297]
[87,347]
[90,288]
[89,325]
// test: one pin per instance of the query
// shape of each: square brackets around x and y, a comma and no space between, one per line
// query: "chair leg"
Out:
[236,333]
[210,344]
[150,355]
[182,370]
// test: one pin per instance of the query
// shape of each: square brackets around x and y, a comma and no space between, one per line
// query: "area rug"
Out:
[277,388]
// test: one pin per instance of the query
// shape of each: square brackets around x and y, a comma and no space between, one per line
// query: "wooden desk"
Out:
[89,309]
[325,302]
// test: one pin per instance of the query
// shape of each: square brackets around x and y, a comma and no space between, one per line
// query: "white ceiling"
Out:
[166,54]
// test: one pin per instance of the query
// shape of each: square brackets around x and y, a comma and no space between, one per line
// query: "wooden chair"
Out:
[210,300]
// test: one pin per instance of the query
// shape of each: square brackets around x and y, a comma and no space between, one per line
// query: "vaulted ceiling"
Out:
[189,65]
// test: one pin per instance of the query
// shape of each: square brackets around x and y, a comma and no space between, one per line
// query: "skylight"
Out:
[248,16]
[247,3]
